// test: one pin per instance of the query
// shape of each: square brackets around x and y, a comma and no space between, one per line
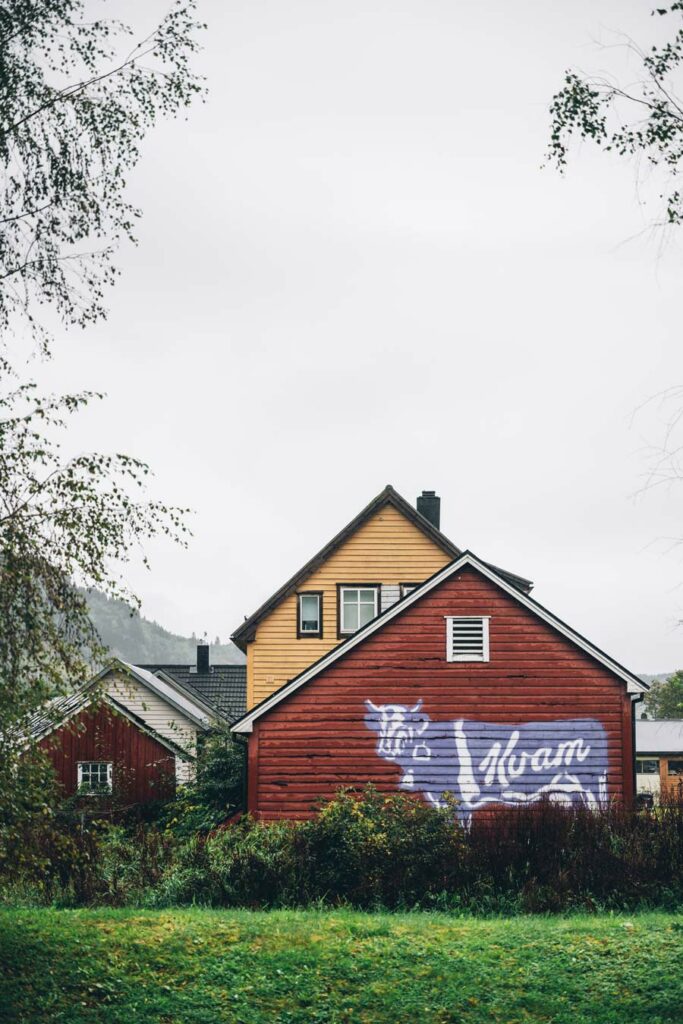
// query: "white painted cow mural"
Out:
[481,763]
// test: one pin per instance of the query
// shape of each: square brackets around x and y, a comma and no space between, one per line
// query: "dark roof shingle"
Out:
[223,687]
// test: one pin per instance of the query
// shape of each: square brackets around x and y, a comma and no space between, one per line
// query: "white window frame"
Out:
[319,628]
[450,655]
[95,792]
[357,588]
[408,588]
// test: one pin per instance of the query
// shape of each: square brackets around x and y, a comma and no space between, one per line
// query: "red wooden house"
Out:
[466,686]
[103,750]
[131,733]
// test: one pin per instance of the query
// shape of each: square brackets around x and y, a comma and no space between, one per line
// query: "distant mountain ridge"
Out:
[142,641]
[134,638]
[658,677]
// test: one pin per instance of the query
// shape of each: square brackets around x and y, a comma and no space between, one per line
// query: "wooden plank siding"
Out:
[144,769]
[316,739]
[387,549]
[156,713]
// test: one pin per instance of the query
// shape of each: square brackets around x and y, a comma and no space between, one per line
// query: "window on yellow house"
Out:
[357,606]
[310,614]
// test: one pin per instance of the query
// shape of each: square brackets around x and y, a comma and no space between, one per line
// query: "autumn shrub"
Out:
[360,849]
[367,850]
[130,862]
[255,865]
[380,850]
[68,861]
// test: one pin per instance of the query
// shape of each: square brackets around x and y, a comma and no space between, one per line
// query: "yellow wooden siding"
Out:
[387,549]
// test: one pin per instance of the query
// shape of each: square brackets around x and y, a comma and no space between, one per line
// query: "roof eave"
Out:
[84,698]
[633,683]
[388,496]
[198,712]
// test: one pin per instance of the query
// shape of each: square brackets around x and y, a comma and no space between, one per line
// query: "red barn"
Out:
[105,750]
[466,686]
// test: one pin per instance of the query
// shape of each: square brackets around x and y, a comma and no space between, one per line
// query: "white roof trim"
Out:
[197,712]
[633,683]
[66,707]
[139,723]
[83,699]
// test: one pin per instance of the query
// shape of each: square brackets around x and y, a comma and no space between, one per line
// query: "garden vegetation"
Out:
[363,849]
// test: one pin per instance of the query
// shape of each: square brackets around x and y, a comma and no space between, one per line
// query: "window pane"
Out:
[675,767]
[367,612]
[95,776]
[367,596]
[647,766]
[349,617]
[310,613]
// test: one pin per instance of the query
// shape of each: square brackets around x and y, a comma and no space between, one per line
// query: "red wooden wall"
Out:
[143,770]
[316,740]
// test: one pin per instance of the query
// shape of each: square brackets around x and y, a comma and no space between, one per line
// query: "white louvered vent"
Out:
[467,638]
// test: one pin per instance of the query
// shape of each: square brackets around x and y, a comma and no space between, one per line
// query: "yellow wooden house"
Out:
[385,551]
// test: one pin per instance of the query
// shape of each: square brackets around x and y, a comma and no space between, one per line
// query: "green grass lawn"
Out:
[191,966]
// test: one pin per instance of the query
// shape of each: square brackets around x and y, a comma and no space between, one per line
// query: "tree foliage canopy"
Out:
[65,524]
[665,698]
[642,120]
[77,96]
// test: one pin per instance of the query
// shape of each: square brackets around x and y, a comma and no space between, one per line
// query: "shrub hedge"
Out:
[365,850]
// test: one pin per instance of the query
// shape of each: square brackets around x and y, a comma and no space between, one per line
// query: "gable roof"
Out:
[189,704]
[65,708]
[633,683]
[223,687]
[171,690]
[388,496]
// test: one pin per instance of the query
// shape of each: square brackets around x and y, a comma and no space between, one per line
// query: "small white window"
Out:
[408,588]
[95,777]
[358,607]
[310,616]
[467,638]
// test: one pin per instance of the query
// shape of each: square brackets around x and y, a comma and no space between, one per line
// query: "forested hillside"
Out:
[660,677]
[139,640]
[142,641]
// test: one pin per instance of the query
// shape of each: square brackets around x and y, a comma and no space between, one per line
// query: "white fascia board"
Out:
[82,700]
[197,713]
[634,685]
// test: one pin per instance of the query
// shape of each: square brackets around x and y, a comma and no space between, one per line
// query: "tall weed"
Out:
[367,850]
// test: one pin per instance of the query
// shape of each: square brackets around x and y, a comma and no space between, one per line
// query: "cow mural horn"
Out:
[416,707]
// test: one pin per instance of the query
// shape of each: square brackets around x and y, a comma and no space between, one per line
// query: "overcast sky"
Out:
[353,271]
